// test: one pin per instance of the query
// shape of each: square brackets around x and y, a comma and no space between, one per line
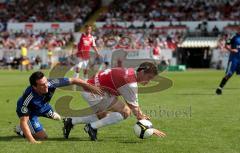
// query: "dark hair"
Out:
[148,67]
[88,25]
[34,77]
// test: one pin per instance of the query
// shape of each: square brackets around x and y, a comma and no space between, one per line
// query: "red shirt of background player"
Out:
[156,51]
[85,43]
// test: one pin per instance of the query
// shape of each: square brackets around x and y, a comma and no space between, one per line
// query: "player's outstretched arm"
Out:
[159,133]
[138,112]
[229,48]
[26,131]
[85,85]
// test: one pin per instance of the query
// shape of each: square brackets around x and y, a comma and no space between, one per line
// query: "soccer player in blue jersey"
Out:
[233,45]
[35,102]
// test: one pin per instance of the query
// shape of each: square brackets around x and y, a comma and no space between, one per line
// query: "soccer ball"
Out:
[143,129]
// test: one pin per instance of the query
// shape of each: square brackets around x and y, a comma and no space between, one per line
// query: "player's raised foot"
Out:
[91,132]
[218,91]
[67,127]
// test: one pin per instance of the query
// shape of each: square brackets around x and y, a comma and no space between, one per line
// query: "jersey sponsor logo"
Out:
[24,109]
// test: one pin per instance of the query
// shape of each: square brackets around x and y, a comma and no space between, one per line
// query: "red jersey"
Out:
[156,51]
[118,81]
[84,46]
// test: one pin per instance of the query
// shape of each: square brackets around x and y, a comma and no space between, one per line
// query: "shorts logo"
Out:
[36,125]
[24,109]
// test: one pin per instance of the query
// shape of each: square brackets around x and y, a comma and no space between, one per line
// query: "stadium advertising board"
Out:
[41,27]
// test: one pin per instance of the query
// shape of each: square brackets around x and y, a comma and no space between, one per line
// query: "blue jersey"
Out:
[235,44]
[234,58]
[33,104]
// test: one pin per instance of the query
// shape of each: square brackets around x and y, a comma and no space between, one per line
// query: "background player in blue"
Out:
[233,45]
[35,102]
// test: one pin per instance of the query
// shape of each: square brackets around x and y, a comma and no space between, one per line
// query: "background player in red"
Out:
[156,52]
[109,109]
[83,52]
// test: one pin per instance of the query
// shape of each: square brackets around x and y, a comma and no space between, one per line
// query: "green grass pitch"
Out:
[194,118]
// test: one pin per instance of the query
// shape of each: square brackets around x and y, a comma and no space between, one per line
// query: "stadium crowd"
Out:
[42,40]
[117,37]
[172,10]
[112,36]
[47,11]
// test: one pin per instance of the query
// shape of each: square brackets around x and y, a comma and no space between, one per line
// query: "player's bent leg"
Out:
[101,115]
[36,128]
[122,108]
[77,68]
[119,113]
[70,122]
[231,68]
[85,69]
[223,83]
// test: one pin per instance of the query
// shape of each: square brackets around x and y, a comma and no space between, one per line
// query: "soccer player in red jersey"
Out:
[83,52]
[115,82]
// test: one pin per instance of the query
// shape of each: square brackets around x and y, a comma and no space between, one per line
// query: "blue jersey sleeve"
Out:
[23,104]
[60,82]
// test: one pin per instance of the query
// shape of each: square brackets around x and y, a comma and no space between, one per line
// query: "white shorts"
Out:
[98,103]
[82,64]
[156,57]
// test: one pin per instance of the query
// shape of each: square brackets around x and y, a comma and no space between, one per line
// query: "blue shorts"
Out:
[33,123]
[233,66]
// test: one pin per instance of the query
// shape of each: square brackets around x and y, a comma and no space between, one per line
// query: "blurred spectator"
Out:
[172,10]
[152,26]
[38,61]
[125,38]
[47,11]
[35,41]
[215,31]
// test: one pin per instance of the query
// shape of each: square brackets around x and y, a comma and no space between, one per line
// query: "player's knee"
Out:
[126,112]
[41,136]
[44,137]
[101,115]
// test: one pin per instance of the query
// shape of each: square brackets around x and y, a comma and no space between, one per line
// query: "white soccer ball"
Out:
[143,129]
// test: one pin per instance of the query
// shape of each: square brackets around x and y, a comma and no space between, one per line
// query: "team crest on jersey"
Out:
[86,42]
[24,109]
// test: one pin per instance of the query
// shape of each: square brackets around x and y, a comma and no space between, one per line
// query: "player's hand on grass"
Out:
[158,133]
[35,142]
[143,116]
